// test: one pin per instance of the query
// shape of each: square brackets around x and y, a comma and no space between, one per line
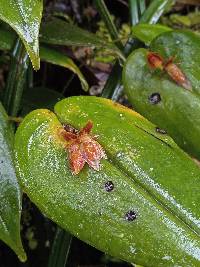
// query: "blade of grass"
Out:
[113,82]
[105,15]
[155,11]
[142,6]
[60,248]
[112,87]
[150,15]
[134,11]
[17,78]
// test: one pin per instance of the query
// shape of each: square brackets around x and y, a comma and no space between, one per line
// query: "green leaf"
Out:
[60,32]
[150,174]
[146,32]
[134,10]
[179,109]
[10,195]
[24,17]
[16,80]
[39,97]
[47,54]
[60,248]
[155,10]
[56,57]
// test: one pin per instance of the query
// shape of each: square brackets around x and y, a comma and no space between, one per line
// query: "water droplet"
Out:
[161,131]
[132,249]
[119,154]
[109,186]
[122,116]
[154,98]
[130,215]
[166,258]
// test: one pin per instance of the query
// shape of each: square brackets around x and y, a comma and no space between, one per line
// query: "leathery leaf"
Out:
[153,180]
[10,194]
[178,109]
[24,17]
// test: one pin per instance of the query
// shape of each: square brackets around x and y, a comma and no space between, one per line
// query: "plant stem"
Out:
[109,22]
[15,119]
[155,11]
[134,12]
[142,6]
[60,248]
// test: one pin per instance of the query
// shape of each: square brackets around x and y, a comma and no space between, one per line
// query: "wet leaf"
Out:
[142,206]
[179,108]
[60,32]
[155,10]
[10,194]
[24,17]
[146,32]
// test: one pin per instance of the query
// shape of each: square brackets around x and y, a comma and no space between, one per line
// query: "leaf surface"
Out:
[151,176]
[60,32]
[24,16]
[179,108]
[10,194]
[147,32]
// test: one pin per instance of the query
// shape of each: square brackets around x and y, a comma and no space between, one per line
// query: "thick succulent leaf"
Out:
[60,32]
[146,32]
[150,174]
[10,195]
[179,109]
[24,17]
[56,57]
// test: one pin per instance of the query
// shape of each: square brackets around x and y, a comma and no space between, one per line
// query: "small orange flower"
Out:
[157,62]
[82,148]
[177,75]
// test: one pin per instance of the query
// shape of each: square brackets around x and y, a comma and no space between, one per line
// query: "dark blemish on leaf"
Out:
[161,131]
[100,213]
[1,161]
[130,215]
[154,98]
[109,186]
